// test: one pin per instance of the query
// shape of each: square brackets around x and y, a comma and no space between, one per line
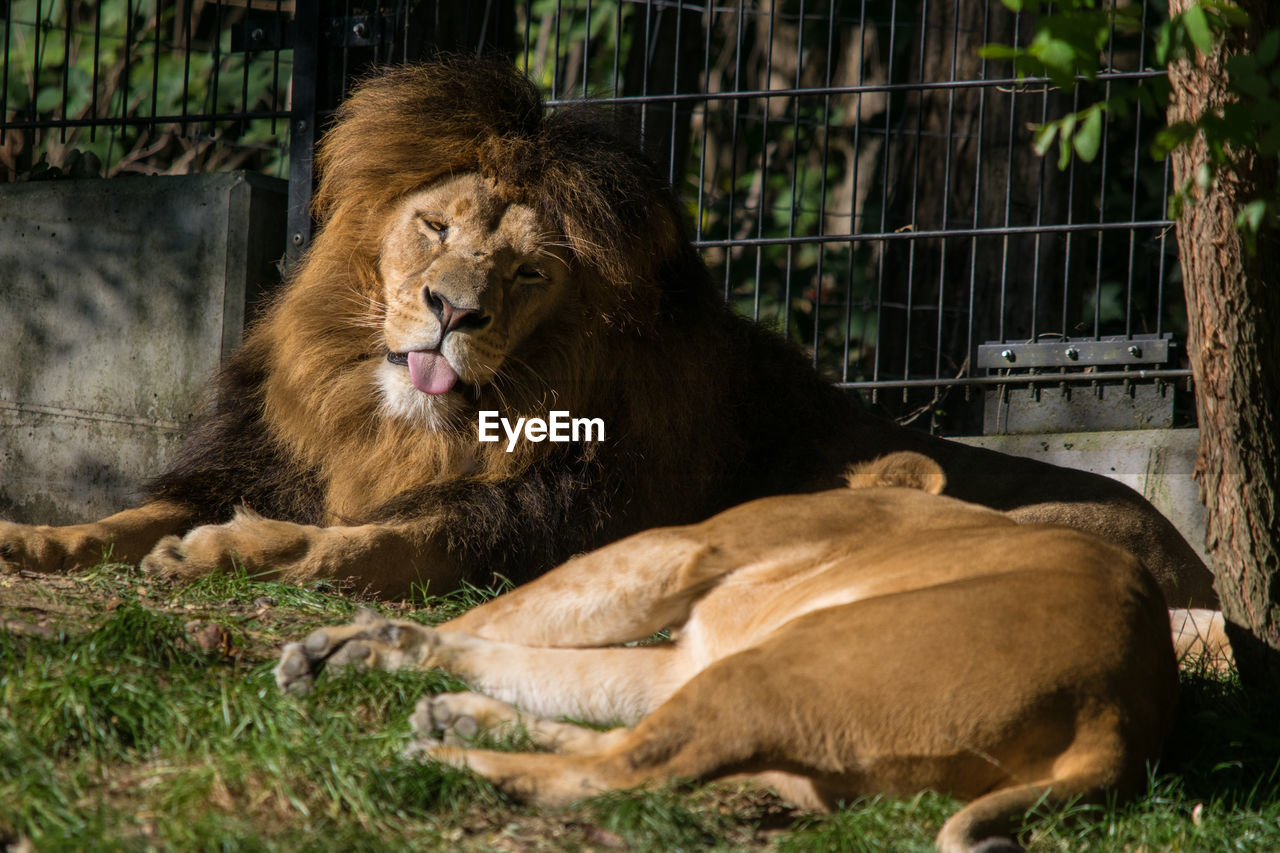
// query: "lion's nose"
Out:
[451,316]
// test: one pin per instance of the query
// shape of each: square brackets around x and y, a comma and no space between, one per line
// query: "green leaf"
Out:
[1196,23]
[1064,141]
[1164,43]
[999,51]
[1059,59]
[1089,137]
[1014,5]
[1044,137]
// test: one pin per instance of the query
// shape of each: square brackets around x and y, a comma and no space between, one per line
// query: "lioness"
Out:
[479,254]
[835,645]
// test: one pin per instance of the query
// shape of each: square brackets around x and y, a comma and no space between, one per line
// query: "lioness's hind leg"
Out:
[456,718]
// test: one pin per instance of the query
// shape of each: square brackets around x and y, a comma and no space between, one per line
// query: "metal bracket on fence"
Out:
[362,30]
[1114,398]
[1111,352]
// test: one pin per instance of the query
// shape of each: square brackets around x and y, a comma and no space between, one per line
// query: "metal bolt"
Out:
[298,239]
[1008,355]
[361,30]
[1073,353]
[257,35]
[301,126]
[1135,351]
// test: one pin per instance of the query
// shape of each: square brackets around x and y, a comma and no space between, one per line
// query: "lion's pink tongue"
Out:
[431,373]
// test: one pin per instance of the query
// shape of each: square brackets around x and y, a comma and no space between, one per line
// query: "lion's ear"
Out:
[905,469]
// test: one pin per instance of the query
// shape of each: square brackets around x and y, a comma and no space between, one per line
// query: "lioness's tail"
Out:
[904,468]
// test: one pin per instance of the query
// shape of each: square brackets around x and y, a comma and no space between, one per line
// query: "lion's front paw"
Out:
[260,546]
[371,642]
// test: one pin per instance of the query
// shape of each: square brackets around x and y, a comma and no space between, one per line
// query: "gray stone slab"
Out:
[119,299]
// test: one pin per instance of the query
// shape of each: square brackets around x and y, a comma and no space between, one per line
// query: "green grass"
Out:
[138,715]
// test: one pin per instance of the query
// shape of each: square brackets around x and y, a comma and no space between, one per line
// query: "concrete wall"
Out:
[1155,462]
[118,301]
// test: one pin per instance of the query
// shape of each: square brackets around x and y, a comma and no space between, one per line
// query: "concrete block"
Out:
[1157,463]
[120,298]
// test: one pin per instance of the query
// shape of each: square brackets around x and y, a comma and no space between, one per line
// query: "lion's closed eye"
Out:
[433,226]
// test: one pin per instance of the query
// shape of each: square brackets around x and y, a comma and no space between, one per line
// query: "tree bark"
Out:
[1233,312]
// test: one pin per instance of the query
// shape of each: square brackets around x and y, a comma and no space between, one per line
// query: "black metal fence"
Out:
[857,176]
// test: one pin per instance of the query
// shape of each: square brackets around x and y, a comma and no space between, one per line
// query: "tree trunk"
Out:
[1233,312]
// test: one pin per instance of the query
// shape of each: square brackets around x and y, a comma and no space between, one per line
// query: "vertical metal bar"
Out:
[155,69]
[617,50]
[853,214]
[884,203]
[345,52]
[796,168]
[762,200]
[96,82]
[528,33]
[215,89]
[1102,218]
[1035,241]
[1164,233]
[733,144]
[675,89]
[245,59]
[186,62]
[302,125]
[586,48]
[275,68]
[34,109]
[822,183]
[912,243]
[69,13]
[555,54]
[4,77]
[1067,237]
[946,194]
[709,11]
[1133,193]
[644,70]
[977,186]
[1008,191]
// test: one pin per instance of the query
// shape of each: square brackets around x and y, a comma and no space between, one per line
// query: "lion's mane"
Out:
[702,410]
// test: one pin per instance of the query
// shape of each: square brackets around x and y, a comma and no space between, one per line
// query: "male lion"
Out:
[836,645]
[478,253]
